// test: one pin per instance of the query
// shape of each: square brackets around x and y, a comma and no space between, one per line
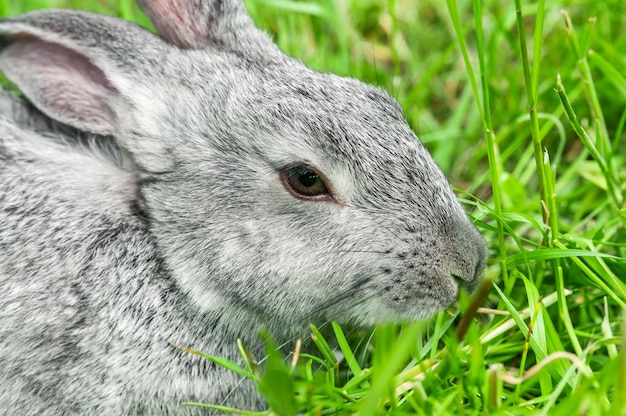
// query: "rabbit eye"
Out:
[304,183]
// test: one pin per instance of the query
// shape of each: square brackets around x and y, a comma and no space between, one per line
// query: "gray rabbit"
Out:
[191,188]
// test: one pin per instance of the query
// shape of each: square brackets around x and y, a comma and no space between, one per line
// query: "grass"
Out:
[523,105]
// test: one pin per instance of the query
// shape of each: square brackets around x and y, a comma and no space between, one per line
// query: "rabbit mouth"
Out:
[464,283]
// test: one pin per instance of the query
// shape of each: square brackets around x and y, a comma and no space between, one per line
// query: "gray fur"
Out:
[143,206]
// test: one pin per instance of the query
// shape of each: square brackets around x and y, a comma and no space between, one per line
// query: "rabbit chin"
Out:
[378,313]
[409,306]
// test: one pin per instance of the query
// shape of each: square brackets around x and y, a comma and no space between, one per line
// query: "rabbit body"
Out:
[88,307]
[141,204]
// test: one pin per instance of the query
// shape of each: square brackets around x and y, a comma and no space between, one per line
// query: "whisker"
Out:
[342,296]
[363,251]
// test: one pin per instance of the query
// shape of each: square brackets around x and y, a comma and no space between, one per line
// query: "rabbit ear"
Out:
[195,24]
[61,82]
[66,64]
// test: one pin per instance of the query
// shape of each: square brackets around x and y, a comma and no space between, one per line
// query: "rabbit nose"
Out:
[467,253]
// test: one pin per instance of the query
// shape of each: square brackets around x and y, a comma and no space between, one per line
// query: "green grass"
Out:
[535,147]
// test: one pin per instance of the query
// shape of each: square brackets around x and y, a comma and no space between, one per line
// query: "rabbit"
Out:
[189,188]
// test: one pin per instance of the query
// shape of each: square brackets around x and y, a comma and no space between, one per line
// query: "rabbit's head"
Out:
[274,191]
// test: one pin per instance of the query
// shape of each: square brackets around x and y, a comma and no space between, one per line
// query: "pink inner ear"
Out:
[60,82]
[182,23]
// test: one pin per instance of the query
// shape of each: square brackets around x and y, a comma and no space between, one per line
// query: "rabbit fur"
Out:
[141,204]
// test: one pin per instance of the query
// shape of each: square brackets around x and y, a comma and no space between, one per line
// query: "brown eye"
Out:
[304,183]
